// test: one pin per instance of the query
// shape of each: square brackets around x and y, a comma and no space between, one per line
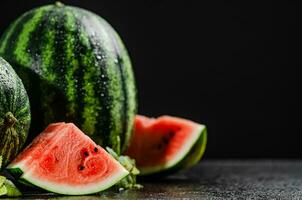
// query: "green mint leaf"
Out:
[129,182]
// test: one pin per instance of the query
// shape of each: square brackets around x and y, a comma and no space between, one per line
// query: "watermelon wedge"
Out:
[62,159]
[166,144]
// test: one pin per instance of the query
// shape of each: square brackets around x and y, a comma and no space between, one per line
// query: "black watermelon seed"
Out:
[171,134]
[95,149]
[166,140]
[81,167]
[159,147]
[86,153]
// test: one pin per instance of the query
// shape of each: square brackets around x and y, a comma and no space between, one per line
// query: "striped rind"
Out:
[13,99]
[76,69]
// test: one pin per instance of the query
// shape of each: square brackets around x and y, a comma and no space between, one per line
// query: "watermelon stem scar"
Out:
[9,120]
[15,114]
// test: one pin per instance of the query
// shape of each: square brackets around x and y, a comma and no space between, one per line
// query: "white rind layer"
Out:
[66,189]
[76,190]
[179,156]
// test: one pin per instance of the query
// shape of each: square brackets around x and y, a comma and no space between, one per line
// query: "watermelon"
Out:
[62,159]
[166,144]
[14,113]
[76,69]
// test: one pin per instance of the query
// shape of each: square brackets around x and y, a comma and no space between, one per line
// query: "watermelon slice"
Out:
[166,144]
[62,159]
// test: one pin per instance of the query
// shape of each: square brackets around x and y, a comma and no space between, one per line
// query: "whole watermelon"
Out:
[14,113]
[75,69]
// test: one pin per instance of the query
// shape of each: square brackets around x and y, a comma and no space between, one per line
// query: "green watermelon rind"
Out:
[189,157]
[196,152]
[17,173]
[28,180]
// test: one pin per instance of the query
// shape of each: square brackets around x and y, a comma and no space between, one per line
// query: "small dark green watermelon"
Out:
[75,69]
[14,113]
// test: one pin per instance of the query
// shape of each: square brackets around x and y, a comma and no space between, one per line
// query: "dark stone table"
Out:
[216,179]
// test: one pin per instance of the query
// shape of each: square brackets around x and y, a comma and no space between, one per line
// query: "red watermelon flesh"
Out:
[39,144]
[62,159]
[162,143]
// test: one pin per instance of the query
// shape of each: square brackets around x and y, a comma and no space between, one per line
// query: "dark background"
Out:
[227,64]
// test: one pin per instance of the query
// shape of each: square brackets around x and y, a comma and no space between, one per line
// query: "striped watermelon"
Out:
[14,113]
[75,69]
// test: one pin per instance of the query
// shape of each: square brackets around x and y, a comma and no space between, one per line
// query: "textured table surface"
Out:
[216,179]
